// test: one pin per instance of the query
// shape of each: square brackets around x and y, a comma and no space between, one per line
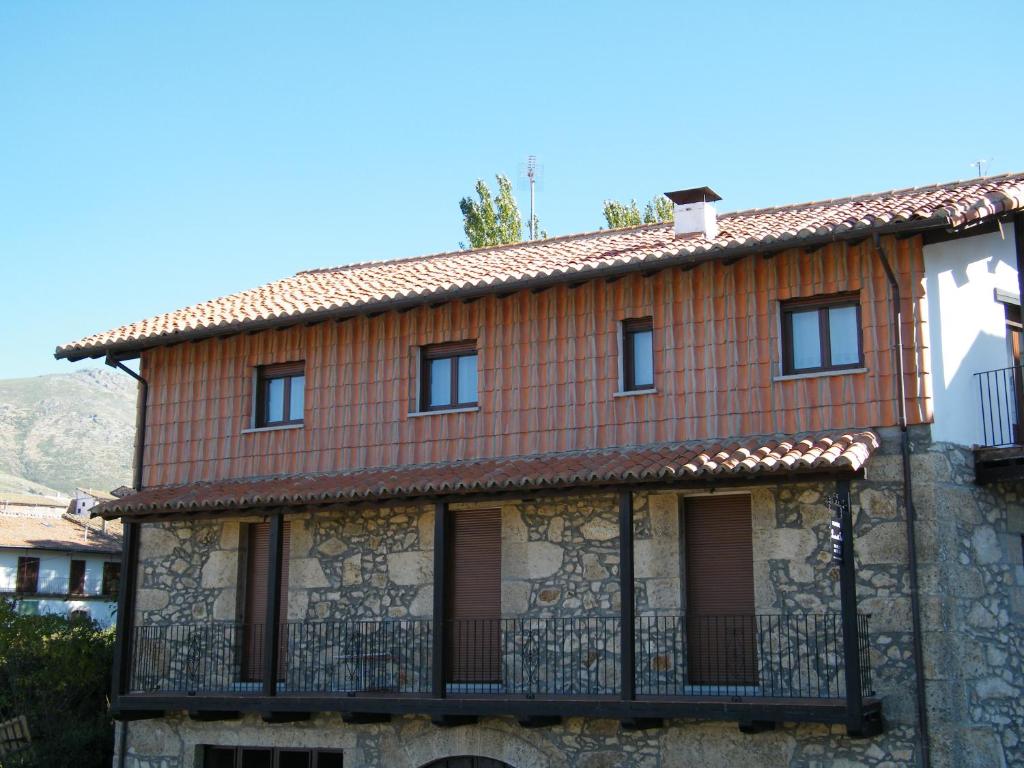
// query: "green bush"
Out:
[56,671]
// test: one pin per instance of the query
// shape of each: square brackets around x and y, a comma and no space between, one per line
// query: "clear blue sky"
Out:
[157,154]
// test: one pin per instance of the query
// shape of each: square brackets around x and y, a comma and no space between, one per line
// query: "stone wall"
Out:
[560,558]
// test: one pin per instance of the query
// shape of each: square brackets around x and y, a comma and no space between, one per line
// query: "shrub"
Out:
[56,671]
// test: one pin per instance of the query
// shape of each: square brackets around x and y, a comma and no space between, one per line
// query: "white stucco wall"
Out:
[55,568]
[966,326]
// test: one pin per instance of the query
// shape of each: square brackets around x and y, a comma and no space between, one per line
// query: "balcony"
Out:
[52,588]
[754,669]
[1000,456]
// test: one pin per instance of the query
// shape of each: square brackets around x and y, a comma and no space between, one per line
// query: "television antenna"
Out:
[532,173]
[981,165]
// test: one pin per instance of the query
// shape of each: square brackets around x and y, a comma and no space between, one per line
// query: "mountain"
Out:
[68,430]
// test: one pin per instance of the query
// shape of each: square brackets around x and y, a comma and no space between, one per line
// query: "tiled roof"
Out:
[61,533]
[380,285]
[751,459]
[31,500]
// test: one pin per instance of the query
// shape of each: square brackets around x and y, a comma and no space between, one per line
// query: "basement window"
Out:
[270,757]
[280,394]
[821,334]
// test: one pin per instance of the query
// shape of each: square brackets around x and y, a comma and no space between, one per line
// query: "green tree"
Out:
[56,672]
[489,220]
[617,214]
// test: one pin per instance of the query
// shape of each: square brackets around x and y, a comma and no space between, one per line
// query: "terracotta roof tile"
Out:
[675,462]
[347,289]
[58,532]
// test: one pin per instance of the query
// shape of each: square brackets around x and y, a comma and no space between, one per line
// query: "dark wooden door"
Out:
[255,611]
[474,587]
[720,622]
[28,575]
[76,581]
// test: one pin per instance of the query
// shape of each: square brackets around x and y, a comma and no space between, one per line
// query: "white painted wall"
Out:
[966,326]
[56,566]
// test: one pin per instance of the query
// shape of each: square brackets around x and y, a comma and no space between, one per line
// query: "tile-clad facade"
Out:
[548,372]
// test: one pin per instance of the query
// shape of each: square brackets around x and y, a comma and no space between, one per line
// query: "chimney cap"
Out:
[695,195]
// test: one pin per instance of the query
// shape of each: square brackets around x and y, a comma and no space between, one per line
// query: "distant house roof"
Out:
[99,495]
[743,460]
[31,500]
[383,285]
[61,533]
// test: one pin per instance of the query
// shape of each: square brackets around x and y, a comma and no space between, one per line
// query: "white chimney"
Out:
[695,212]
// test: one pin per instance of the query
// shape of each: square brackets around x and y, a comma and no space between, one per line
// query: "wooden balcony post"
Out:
[848,598]
[123,652]
[272,627]
[439,671]
[627,620]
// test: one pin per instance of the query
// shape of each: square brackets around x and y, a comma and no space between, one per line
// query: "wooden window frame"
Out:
[822,304]
[80,588]
[451,351]
[629,328]
[275,753]
[264,375]
[20,586]
[110,583]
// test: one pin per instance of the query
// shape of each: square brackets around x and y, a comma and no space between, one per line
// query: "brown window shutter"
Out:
[450,349]
[28,575]
[721,626]
[475,595]
[635,324]
[255,609]
[76,583]
[296,368]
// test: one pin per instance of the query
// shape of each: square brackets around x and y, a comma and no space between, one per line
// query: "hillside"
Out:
[66,430]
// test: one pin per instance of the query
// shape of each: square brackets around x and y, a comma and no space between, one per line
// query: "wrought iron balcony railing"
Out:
[1001,392]
[750,656]
[46,586]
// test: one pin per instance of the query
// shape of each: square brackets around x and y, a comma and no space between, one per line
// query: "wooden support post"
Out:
[848,598]
[627,620]
[123,651]
[272,628]
[439,671]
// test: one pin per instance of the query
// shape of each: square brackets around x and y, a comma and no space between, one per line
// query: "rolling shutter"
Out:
[475,589]
[256,600]
[720,590]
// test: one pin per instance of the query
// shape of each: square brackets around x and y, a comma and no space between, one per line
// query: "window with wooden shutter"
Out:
[280,394]
[111,579]
[448,377]
[255,606]
[474,579]
[637,354]
[721,628]
[28,575]
[76,583]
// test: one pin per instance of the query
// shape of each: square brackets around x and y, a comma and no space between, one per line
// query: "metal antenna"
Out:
[980,165]
[531,174]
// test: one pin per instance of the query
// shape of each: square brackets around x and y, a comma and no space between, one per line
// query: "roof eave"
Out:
[128,350]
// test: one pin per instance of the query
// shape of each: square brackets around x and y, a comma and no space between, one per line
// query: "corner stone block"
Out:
[512,526]
[656,558]
[411,569]
[600,529]
[225,606]
[220,570]
[230,535]
[426,530]
[423,604]
[301,535]
[515,597]
[664,513]
[885,543]
[151,599]
[306,572]
[532,560]
[156,542]
[786,544]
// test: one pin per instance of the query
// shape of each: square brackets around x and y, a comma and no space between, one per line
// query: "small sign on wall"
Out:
[837,506]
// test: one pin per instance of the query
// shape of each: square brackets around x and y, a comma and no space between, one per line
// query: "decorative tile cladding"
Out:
[548,371]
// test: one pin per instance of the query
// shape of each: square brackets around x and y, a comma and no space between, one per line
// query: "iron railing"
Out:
[764,655]
[46,586]
[1000,392]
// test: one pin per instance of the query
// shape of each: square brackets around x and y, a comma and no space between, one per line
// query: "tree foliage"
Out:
[56,672]
[658,208]
[492,220]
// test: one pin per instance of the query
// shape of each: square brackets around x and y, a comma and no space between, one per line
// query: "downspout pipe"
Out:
[140,420]
[908,502]
[137,466]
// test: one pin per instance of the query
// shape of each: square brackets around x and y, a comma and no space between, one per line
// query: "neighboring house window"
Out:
[821,334]
[448,378]
[76,584]
[280,394]
[637,354]
[28,575]
[111,578]
[270,757]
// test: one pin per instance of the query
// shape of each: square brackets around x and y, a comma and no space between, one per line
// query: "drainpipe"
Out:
[908,502]
[124,622]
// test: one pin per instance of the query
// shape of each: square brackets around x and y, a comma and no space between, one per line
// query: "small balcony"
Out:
[1000,456]
[52,588]
[751,668]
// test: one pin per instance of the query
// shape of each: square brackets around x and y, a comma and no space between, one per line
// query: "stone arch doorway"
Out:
[467,761]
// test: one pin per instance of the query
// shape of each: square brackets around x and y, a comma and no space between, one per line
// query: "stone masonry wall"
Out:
[560,557]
